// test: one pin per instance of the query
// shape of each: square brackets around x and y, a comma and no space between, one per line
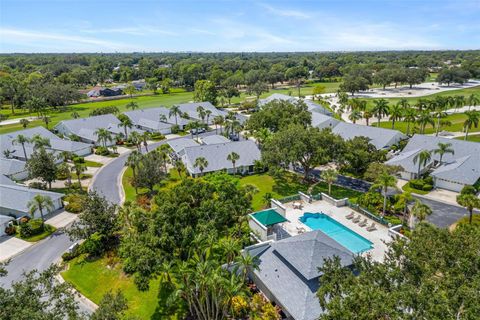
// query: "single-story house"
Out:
[456,170]
[57,144]
[14,198]
[85,128]
[104,92]
[216,156]
[312,106]
[13,168]
[288,272]
[381,138]
[155,120]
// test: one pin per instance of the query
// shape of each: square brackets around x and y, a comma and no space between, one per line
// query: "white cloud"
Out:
[286,12]
[58,42]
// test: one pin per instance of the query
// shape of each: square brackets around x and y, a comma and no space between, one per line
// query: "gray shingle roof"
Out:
[11,166]
[191,110]
[16,197]
[216,155]
[312,106]
[214,139]
[379,137]
[86,127]
[323,121]
[153,114]
[57,144]
[178,145]
[285,263]
[462,167]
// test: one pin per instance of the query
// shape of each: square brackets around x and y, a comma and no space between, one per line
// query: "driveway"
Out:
[107,181]
[11,246]
[443,214]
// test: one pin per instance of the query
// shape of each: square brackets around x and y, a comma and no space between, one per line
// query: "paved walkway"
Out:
[11,246]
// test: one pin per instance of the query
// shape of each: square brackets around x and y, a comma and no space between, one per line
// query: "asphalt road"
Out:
[107,181]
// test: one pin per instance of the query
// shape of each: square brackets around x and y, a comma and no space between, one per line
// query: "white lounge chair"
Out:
[350,215]
[363,223]
[372,227]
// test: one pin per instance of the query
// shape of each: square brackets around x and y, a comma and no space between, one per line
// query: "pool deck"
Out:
[378,237]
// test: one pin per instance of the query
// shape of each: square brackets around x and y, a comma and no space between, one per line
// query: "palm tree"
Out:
[396,113]
[423,119]
[421,104]
[459,102]
[442,149]
[133,159]
[473,101]
[40,202]
[39,142]
[145,136]
[404,104]
[179,166]
[126,123]
[473,117]
[24,123]
[201,113]
[233,157]
[236,127]
[46,120]
[65,156]
[64,170]
[262,135]
[103,136]
[409,117]
[218,121]
[355,115]
[367,115]
[136,139]
[75,115]
[380,109]
[422,158]
[421,211]
[469,201]
[79,169]
[162,118]
[21,139]
[246,263]
[329,176]
[132,105]
[405,198]
[175,112]
[201,163]
[385,181]
[208,113]
[439,113]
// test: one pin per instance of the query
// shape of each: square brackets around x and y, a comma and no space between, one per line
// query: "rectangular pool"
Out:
[337,231]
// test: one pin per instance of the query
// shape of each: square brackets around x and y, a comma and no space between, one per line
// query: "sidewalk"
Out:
[11,246]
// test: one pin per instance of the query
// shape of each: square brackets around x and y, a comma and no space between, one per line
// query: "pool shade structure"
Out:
[269,217]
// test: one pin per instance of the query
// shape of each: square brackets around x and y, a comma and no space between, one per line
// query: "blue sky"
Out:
[241,25]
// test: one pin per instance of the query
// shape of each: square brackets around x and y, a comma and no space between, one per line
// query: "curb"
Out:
[78,296]
[121,190]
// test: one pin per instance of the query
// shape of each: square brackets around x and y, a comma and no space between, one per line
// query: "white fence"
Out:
[305,197]
[278,206]
[335,202]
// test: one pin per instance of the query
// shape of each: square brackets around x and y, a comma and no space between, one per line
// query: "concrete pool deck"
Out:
[378,237]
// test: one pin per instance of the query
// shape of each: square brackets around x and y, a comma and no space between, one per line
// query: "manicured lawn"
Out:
[95,278]
[48,231]
[473,138]
[93,164]
[456,119]
[409,188]
[338,192]
[288,185]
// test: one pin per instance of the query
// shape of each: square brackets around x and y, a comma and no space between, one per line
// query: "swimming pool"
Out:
[337,231]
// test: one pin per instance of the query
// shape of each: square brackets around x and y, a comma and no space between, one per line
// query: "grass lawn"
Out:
[338,192]
[95,278]
[456,119]
[167,100]
[131,195]
[288,185]
[48,231]
[93,164]
[409,188]
[473,138]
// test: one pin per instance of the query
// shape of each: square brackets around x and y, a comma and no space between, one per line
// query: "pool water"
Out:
[337,231]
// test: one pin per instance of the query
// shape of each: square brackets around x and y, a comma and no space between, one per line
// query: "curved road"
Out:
[107,181]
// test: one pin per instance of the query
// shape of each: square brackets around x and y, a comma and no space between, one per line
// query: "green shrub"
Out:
[37,185]
[157,136]
[417,184]
[175,128]
[79,160]
[74,207]
[93,245]
[102,151]
[10,230]
[468,190]
[428,180]
[393,220]
[31,228]
[427,187]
